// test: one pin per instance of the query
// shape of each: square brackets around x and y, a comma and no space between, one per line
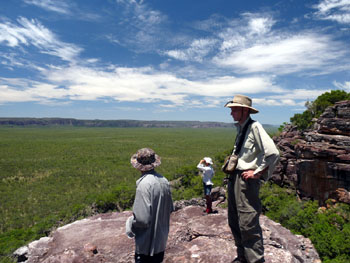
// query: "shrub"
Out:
[120,198]
[317,107]
[303,120]
[329,230]
[281,127]
[190,183]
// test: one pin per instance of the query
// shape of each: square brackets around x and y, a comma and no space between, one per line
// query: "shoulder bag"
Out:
[230,162]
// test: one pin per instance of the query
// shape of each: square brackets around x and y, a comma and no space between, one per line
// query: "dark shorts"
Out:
[207,189]
[156,258]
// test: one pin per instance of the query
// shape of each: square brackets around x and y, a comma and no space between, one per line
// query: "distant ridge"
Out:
[113,123]
[110,123]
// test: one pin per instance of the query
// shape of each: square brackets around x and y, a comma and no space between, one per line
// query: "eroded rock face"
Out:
[194,237]
[317,162]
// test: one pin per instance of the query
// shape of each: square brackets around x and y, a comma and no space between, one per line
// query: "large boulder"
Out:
[194,237]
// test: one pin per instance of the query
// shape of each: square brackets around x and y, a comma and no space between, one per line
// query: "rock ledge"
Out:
[194,237]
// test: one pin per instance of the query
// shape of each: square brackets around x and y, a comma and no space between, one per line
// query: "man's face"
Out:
[239,114]
[236,113]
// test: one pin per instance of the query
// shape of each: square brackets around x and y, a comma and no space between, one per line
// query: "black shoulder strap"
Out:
[240,142]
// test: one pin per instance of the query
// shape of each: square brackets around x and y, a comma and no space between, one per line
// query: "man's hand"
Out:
[225,181]
[249,174]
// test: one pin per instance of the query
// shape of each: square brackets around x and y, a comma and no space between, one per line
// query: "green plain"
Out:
[49,174]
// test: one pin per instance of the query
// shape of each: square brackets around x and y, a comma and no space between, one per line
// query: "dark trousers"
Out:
[156,258]
[244,209]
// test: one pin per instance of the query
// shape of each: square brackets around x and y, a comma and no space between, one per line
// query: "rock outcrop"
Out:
[317,161]
[194,237]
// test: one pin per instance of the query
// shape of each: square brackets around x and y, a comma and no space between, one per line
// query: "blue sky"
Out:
[170,60]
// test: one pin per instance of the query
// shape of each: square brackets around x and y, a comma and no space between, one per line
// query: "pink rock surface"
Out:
[194,237]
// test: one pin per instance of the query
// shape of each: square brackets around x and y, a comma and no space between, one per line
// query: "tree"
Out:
[315,108]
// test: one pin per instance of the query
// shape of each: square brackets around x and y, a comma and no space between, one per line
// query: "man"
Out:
[256,161]
[152,207]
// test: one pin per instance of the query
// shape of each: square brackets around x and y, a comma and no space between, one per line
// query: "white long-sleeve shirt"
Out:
[208,173]
[258,150]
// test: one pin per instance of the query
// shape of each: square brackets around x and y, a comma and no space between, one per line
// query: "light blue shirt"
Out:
[151,214]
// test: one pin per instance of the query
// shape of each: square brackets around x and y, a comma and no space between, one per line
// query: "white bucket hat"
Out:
[208,160]
[241,101]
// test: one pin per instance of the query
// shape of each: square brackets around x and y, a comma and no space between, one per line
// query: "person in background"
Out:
[256,161]
[205,166]
[152,207]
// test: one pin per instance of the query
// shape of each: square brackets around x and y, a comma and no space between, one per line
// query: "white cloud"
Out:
[127,108]
[66,8]
[32,32]
[335,10]
[266,102]
[23,90]
[281,54]
[278,102]
[51,5]
[144,85]
[296,97]
[259,25]
[300,94]
[9,60]
[197,50]
[229,35]
[226,86]
[9,94]
[252,45]
[344,86]
[139,27]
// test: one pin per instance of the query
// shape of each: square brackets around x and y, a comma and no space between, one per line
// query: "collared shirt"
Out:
[151,214]
[258,150]
[208,173]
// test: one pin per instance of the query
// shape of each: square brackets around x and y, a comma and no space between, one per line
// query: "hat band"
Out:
[231,101]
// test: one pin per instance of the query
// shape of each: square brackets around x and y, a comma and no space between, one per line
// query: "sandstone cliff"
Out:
[317,161]
[194,237]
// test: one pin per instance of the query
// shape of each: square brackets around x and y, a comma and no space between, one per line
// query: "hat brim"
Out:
[145,167]
[208,160]
[232,105]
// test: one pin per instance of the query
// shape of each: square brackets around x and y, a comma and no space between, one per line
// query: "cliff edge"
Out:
[316,162]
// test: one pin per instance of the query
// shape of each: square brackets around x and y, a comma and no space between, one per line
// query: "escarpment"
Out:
[317,161]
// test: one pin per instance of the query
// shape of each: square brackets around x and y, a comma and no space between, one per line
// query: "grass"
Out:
[53,175]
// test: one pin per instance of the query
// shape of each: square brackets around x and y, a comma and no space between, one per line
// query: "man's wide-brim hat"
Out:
[145,160]
[241,101]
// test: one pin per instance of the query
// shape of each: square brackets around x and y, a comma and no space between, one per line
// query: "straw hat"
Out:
[145,159]
[241,101]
